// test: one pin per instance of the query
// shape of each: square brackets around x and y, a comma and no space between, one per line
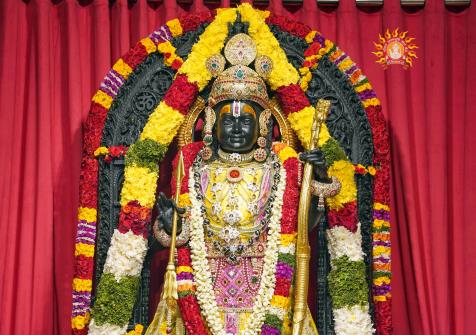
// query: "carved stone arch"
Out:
[145,88]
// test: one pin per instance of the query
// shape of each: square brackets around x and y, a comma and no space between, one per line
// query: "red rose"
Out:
[282,287]
[135,56]
[176,64]
[181,94]
[344,217]
[292,98]
[83,267]
[83,331]
[88,183]
[115,151]
[312,50]
[183,256]
[301,30]
[191,21]
[189,152]
[93,128]
[383,315]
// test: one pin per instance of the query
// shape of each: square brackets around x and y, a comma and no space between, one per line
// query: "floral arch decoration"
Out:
[121,269]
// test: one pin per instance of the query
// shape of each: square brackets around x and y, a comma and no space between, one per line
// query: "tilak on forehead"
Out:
[236,109]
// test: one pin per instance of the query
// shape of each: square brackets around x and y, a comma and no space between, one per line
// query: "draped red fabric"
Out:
[53,56]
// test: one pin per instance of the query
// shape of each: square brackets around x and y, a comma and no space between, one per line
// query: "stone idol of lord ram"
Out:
[245,195]
[238,249]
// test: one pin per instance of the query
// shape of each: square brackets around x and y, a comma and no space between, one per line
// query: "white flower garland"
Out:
[353,320]
[205,295]
[125,255]
[342,242]
[106,329]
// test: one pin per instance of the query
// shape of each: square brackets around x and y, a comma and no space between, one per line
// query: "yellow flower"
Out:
[175,27]
[310,36]
[344,171]
[345,64]
[139,184]
[286,153]
[165,47]
[283,73]
[184,268]
[379,206]
[210,43]
[122,68]
[381,280]
[101,151]
[163,124]
[301,122]
[149,45]
[184,200]
[82,284]
[138,329]
[287,239]
[380,298]
[372,170]
[280,302]
[381,250]
[102,99]
[371,102]
[84,250]
[87,214]
[80,321]
[380,223]
[363,87]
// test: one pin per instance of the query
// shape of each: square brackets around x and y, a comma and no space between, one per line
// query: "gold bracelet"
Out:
[324,190]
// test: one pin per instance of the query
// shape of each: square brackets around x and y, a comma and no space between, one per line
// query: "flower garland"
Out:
[87,212]
[204,285]
[273,319]
[111,152]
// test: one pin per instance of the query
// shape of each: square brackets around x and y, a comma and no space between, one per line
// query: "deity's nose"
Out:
[236,126]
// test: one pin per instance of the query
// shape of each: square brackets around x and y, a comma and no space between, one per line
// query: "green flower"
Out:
[115,300]
[347,283]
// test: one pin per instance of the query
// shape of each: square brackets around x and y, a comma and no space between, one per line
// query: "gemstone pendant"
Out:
[234,174]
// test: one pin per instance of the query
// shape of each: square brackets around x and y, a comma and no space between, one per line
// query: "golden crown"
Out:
[239,82]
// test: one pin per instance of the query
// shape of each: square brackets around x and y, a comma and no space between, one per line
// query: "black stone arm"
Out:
[317,159]
[166,208]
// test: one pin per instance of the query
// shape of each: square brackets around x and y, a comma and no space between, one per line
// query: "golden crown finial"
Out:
[240,50]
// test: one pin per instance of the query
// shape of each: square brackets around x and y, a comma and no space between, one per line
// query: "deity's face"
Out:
[237,126]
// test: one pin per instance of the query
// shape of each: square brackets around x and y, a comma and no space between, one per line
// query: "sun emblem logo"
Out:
[395,48]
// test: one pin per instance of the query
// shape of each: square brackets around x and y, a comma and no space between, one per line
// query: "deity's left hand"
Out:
[316,158]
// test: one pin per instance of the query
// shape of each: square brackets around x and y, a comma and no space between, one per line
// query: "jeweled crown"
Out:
[239,82]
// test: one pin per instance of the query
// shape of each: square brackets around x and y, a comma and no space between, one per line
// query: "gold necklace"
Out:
[235,157]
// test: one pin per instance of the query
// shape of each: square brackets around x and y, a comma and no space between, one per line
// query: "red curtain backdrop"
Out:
[53,56]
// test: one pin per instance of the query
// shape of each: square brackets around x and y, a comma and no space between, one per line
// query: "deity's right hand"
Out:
[166,208]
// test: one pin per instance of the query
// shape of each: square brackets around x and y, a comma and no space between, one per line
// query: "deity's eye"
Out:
[227,120]
[247,120]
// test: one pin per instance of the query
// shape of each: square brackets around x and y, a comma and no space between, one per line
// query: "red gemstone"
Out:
[234,173]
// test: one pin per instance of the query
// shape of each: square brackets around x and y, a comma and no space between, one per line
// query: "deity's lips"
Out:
[236,139]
